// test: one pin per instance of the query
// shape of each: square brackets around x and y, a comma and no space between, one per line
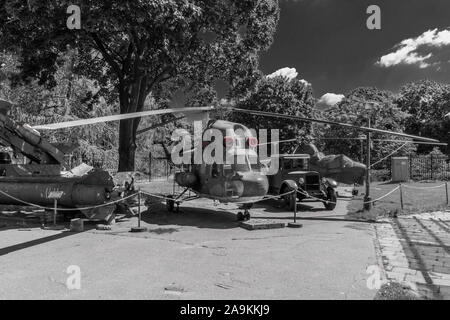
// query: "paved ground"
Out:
[416,251]
[200,253]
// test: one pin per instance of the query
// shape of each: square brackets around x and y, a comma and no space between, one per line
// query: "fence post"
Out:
[446,170]
[150,167]
[295,205]
[139,228]
[390,167]
[401,196]
[410,167]
[431,164]
[139,207]
[446,192]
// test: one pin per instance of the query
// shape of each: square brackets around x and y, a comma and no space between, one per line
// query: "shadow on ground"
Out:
[426,244]
[190,216]
[35,242]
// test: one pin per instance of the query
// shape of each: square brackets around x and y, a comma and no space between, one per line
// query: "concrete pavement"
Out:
[200,253]
[416,251]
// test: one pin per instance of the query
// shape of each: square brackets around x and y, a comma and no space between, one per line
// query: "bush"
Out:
[380,175]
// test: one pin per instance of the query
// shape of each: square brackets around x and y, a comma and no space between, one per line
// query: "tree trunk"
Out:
[127,145]
[131,100]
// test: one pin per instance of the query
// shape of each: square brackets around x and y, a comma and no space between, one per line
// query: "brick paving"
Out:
[415,250]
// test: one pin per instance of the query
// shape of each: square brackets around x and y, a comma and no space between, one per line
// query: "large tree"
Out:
[427,102]
[280,95]
[136,46]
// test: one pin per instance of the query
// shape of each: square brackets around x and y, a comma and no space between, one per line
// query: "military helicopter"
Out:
[240,178]
[243,182]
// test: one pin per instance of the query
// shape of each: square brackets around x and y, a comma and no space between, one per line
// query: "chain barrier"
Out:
[372,201]
[384,196]
[314,198]
[407,187]
[300,191]
[392,153]
[68,209]
[157,196]
[269,197]
[240,202]
[423,188]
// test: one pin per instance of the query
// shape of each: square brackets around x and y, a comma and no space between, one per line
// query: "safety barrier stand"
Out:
[401,195]
[446,191]
[139,228]
[295,224]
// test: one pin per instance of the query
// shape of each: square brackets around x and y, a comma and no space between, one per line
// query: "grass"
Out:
[414,200]
[394,291]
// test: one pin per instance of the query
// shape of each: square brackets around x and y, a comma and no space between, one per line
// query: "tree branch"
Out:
[109,59]
[163,76]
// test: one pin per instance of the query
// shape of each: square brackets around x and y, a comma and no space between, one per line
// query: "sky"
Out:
[329,45]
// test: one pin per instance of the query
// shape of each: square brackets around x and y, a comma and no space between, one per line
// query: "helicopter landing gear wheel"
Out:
[243,216]
[330,204]
[246,215]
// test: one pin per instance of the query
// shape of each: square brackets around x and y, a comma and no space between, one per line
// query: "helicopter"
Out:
[242,182]
[242,179]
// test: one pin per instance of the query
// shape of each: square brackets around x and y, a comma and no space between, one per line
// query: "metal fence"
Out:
[430,167]
[159,169]
[421,167]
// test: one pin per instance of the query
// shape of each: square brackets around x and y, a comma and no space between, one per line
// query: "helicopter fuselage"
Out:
[238,181]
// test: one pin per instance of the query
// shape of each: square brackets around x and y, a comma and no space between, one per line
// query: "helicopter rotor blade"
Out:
[159,125]
[83,122]
[386,140]
[346,125]
[359,139]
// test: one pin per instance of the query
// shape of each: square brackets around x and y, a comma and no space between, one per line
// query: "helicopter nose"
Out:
[255,185]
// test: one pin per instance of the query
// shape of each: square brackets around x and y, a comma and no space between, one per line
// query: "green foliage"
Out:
[279,95]
[427,102]
[436,152]
[357,108]
[380,175]
[74,97]
[132,48]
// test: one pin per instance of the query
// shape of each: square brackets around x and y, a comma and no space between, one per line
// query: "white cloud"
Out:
[306,83]
[406,51]
[330,99]
[289,73]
